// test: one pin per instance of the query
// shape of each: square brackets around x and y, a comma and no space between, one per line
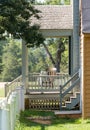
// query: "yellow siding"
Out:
[86,76]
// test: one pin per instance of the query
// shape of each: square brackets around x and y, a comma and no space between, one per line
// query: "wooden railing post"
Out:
[6,92]
[60,97]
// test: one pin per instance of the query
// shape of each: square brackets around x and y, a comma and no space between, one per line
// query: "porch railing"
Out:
[61,83]
[9,87]
[38,83]
[44,83]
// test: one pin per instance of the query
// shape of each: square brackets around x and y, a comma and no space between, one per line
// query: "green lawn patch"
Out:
[46,120]
[2,92]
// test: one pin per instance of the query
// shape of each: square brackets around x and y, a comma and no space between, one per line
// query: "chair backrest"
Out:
[52,71]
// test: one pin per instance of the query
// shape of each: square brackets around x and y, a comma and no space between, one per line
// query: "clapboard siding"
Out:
[86,74]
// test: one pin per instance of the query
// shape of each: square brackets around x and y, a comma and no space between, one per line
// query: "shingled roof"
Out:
[85,5]
[55,17]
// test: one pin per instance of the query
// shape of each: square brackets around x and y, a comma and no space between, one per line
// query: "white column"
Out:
[76,41]
[24,65]
[24,75]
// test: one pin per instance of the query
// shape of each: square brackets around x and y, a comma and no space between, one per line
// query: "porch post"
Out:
[76,36]
[24,65]
[24,74]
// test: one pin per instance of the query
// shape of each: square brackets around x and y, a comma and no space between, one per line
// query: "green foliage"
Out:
[67,2]
[53,2]
[64,61]
[2,92]
[57,2]
[15,18]
[11,60]
[37,59]
[2,44]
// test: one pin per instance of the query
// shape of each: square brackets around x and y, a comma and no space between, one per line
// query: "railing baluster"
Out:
[6,90]
[42,82]
[60,97]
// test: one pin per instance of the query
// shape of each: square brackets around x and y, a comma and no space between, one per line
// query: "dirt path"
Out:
[41,120]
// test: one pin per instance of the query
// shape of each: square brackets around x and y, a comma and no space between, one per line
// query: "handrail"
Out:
[74,81]
[71,87]
[15,80]
[70,79]
[9,87]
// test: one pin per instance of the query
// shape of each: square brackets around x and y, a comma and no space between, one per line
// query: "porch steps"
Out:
[50,101]
[74,100]
[69,114]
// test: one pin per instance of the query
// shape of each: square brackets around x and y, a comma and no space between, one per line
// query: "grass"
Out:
[2,93]
[57,123]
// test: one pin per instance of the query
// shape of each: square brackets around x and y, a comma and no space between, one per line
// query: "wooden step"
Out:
[68,114]
[74,100]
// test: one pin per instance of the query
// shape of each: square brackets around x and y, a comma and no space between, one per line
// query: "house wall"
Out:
[85,67]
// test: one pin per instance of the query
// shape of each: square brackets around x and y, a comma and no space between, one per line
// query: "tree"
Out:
[50,55]
[37,59]
[2,44]
[57,2]
[60,50]
[60,47]
[11,60]
[15,19]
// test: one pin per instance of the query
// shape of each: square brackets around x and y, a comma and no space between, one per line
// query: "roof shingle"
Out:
[55,17]
[85,16]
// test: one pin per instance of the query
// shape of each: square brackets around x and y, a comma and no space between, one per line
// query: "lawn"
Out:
[2,92]
[46,120]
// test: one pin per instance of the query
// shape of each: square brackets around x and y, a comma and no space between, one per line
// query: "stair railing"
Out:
[10,87]
[68,87]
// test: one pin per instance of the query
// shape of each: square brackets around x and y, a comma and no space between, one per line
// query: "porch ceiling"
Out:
[56,20]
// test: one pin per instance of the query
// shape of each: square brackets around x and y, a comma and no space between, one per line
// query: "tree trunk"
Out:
[60,50]
[56,63]
[50,56]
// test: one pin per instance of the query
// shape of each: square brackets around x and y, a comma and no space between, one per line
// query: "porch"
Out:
[49,92]
[55,91]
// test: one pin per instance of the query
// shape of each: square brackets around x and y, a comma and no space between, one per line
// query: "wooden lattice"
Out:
[44,103]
